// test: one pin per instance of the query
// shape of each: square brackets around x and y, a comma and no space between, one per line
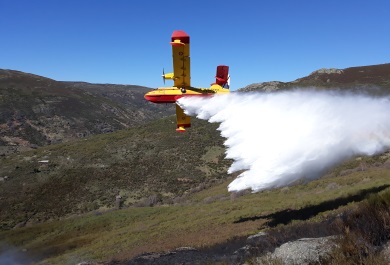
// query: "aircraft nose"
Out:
[149,97]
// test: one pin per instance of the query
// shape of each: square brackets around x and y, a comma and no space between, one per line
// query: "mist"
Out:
[279,138]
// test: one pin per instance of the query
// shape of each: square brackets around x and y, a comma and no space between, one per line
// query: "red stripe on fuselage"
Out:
[170,98]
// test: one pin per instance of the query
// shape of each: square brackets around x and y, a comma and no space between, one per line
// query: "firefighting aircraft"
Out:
[180,42]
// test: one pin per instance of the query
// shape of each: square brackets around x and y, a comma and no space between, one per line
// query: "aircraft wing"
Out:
[183,121]
[181,59]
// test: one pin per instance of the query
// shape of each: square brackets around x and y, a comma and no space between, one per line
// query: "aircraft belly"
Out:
[166,96]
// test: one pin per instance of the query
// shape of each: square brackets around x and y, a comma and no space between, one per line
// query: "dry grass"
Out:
[365,230]
[123,234]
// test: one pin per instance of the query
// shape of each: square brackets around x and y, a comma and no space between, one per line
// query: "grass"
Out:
[67,208]
[88,174]
[198,223]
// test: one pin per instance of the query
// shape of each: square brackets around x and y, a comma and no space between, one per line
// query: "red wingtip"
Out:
[180,35]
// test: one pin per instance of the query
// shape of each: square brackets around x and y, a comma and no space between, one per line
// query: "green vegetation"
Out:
[201,219]
[37,111]
[365,230]
[88,174]
[147,189]
[66,209]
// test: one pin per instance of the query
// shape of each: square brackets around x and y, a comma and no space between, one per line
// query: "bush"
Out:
[365,230]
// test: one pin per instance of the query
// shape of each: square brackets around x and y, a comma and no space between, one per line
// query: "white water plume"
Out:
[278,138]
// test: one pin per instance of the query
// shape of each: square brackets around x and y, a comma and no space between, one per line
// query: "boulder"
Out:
[305,251]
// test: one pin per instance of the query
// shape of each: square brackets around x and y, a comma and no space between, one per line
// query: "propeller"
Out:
[163,76]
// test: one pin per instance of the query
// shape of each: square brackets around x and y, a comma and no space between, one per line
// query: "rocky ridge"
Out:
[374,79]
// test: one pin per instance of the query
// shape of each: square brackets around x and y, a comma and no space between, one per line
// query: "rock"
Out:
[265,86]
[89,263]
[332,186]
[386,251]
[182,255]
[254,243]
[256,238]
[245,251]
[304,251]
[387,164]
[186,249]
[328,71]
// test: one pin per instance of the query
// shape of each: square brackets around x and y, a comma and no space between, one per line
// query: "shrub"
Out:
[364,231]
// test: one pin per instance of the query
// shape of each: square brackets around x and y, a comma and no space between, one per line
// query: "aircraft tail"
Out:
[222,78]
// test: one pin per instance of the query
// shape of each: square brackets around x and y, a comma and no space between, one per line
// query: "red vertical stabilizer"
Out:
[222,75]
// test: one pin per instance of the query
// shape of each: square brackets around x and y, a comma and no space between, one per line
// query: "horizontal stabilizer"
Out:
[177,43]
[181,129]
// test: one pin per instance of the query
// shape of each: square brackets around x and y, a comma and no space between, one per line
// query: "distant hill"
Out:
[36,111]
[374,79]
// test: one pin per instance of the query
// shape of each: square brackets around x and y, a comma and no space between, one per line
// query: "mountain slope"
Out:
[373,79]
[150,165]
[137,163]
[76,177]
[36,111]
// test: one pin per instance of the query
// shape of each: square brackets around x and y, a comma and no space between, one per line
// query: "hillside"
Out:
[374,79]
[209,225]
[88,174]
[37,111]
[130,185]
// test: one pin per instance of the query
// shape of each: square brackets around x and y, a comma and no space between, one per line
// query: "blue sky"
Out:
[127,42]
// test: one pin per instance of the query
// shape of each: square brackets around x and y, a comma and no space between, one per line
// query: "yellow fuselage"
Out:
[172,94]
